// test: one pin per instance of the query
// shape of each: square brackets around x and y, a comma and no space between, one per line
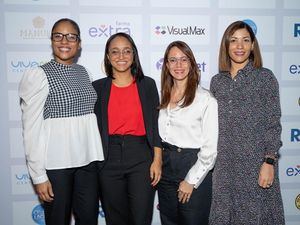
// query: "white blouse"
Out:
[194,126]
[54,143]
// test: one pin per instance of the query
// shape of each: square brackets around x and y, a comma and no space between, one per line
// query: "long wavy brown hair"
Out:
[167,79]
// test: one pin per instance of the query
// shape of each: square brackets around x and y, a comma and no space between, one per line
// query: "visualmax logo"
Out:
[172,30]
[106,30]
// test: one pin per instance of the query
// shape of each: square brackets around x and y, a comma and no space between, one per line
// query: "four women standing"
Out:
[57,102]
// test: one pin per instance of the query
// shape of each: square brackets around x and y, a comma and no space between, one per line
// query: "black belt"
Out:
[171,147]
[120,139]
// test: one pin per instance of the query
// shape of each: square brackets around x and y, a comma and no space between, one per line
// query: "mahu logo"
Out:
[39,31]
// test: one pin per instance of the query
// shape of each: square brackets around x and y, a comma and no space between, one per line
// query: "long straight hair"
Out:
[224,59]
[167,79]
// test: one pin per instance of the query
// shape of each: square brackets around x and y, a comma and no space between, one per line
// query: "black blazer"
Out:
[149,100]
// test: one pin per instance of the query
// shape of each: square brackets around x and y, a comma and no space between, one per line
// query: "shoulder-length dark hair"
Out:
[167,79]
[136,68]
[72,22]
[224,59]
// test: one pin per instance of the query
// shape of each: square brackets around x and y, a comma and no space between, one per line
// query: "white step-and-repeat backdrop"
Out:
[24,43]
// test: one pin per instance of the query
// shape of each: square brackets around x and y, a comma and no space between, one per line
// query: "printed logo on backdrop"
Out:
[37,215]
[252,25]
[178,30]
[18,62]
[290,66]
[19,66]
[297,30]
[297,202]
[107,30]
[37,32]
[290,131]
[201,65]
[293,171]
[22,179]
[294,69]
[291,30]
[295,135]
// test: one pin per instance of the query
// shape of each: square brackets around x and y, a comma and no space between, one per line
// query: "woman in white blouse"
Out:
[188,126]
[61,138]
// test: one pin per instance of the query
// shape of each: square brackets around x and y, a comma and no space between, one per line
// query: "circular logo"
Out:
[37,215]
[251,24]
[297,202]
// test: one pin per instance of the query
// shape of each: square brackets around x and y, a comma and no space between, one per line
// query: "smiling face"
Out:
[65,51]
[240,47]
[178,64]
[120,55]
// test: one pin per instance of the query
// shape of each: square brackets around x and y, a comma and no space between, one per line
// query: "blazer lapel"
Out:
[143,99]
[105,93]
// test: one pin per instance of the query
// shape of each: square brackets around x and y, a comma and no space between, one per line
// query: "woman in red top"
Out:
[127,112]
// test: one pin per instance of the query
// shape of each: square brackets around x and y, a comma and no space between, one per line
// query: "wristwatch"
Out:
[269,160]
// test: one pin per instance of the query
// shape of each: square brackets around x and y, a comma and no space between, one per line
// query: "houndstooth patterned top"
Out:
[59,125]
[70,91]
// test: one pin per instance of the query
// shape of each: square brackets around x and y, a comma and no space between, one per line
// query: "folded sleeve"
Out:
[208,148]
[33,91]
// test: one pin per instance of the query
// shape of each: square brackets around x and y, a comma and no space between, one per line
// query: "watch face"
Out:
[269,161]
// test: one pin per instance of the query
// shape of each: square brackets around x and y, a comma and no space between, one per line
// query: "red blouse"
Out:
[125,115]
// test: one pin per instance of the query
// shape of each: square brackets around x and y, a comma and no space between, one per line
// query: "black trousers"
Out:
[75,190]
[176,164]
[127,196]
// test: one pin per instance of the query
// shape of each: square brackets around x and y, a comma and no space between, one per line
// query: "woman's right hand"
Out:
[44,191]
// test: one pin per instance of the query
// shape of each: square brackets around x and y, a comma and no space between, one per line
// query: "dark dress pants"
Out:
[75,190]
[176,164]
[127,196]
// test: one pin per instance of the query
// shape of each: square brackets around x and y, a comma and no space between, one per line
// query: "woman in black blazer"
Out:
[127,113]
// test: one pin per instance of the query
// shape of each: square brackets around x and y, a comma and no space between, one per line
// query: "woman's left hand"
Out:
[185,191]
[266,175]
[155,171]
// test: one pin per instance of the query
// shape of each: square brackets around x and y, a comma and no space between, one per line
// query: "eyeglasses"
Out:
[183,60]
[59,37]
[115,53]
